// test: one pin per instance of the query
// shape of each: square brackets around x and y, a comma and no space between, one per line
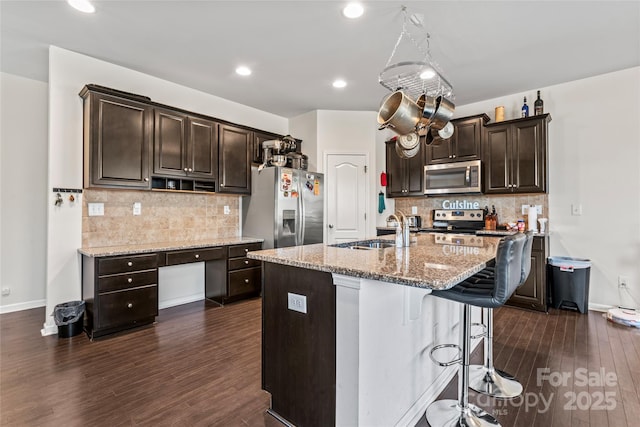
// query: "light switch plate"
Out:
[227,210]
[297,302]
[96,209]
[414,210]
[137,208]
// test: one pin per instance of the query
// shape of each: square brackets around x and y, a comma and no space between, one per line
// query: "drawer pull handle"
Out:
[197,256]
[129,305]
[246,262]
[129,280]
[129,263]
[246,280]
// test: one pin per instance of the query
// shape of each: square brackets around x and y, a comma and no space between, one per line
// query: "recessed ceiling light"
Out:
[82,5]
[427,74]
[339,83]
[353,10]
[243,71]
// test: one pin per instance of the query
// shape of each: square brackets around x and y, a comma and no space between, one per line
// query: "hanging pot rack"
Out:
[405,75]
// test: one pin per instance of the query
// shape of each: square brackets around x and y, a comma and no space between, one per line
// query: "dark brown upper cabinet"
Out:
[464,145]
[515,156]
[185,145]
[118,134]
[235,148]
[404,176]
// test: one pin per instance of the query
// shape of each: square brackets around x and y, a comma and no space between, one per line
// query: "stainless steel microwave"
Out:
[453,178]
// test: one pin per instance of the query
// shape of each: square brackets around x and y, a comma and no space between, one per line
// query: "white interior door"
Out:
[346,182]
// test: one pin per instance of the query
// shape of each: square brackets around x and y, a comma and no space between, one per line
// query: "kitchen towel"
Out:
[381,205]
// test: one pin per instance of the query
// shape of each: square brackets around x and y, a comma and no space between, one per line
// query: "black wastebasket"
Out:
[69,318]
[570,282]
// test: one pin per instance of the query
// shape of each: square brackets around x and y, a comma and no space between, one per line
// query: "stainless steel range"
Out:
[462,221]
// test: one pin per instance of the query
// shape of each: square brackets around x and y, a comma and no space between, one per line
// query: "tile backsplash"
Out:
[508,207]
[165,217]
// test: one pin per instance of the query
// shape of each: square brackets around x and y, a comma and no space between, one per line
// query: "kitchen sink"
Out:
[366,244]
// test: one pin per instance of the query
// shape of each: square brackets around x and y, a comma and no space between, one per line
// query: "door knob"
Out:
[330,225]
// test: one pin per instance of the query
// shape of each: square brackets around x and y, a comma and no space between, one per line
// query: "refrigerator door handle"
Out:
[302,209]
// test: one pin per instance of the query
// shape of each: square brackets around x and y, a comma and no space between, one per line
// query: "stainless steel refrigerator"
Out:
[286,207]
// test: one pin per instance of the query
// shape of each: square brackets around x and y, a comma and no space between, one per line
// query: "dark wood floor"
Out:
[200,366]
[600,361]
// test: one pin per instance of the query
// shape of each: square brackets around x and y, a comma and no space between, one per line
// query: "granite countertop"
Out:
[164,246]
[424,263]
[481,232]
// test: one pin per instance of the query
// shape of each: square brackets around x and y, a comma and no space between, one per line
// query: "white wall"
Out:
[348,132]
[305,127]
[594,153]
[23,191]
[68,73]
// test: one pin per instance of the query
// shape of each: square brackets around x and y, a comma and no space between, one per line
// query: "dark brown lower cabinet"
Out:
[120,292]
[533,293]
[237,278]
[299,349]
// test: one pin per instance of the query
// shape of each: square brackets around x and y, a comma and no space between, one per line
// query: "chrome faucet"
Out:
[402,229]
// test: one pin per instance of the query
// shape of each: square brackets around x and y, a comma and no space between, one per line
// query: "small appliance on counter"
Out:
[415,221]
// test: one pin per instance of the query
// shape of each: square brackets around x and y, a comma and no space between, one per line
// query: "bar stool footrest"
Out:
[451,362]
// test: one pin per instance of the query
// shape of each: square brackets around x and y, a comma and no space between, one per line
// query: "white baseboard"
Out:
[179,301]
[10,308]
[48,329]
[417,410]
[599,307]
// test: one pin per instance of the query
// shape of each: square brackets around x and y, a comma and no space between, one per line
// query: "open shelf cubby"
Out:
[182,184]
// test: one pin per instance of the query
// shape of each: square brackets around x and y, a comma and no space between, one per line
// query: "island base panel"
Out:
[298,349]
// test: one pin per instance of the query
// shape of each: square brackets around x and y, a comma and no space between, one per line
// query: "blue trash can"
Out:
[570,282]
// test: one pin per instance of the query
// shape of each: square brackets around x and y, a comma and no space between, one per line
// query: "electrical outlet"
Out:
[297,302]
[576,209]
[414,210]
[6,292]
[96,209]
[623,282]
[227,210]
[137,208]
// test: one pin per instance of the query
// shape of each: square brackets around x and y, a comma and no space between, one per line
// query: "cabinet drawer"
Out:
[125,264]
[241,250]
[127,307]
[238,263]
[194,255]
[119,282]
[245,281]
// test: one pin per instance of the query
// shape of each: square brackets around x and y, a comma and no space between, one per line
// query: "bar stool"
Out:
[507,278]
[486,379]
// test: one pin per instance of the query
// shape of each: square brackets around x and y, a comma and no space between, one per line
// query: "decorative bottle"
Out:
[525,108]
[538,106]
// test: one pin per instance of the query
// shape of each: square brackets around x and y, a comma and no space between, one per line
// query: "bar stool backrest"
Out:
[508,267]
[526,257]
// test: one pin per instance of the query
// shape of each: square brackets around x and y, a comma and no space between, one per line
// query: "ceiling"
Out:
[296,49]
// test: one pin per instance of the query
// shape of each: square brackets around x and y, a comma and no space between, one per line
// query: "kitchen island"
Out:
[347,332]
